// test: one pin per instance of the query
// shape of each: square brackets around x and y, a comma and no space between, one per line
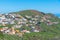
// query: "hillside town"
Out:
[19,23]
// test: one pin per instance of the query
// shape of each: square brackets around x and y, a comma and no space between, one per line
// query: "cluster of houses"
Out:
[47,21]
[19,21]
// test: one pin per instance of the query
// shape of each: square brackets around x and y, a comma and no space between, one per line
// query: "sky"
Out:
[47,6]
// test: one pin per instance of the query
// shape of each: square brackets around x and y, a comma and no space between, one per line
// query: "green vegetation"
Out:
[41,36]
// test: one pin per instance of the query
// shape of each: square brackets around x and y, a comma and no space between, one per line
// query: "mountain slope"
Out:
[48,32]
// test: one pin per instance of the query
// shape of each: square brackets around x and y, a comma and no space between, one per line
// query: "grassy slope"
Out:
[41,36]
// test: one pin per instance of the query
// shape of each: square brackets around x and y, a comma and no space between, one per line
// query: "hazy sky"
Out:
[52,6]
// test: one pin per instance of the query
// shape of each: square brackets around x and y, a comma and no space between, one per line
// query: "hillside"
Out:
[46,24]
